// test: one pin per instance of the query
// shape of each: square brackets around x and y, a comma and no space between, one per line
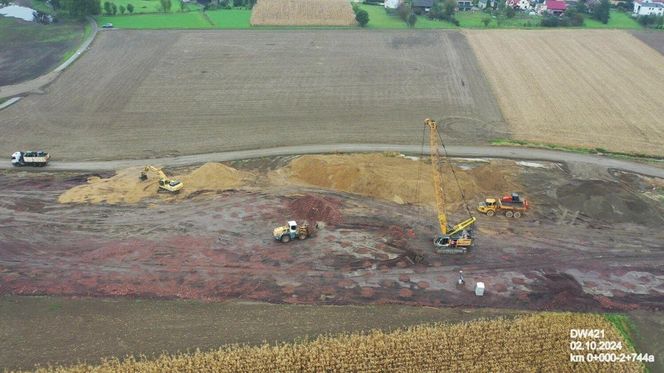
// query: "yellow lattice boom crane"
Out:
[458,238]
[165,184]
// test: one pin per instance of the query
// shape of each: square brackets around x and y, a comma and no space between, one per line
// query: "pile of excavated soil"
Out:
[609,202]
[126,187]
[314,209]
[399,179]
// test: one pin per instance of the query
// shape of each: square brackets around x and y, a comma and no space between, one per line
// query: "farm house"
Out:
[647,7]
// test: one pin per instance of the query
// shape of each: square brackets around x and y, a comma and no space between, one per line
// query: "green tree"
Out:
[510,12]
[107,8]
[581,7]
[130,8]
[122,9]
[114,8]
[486,21]
[601,11]
[449,7]
[404,10]
[362,17]
[182,6]
[165,5]
[82,8]
[412,18]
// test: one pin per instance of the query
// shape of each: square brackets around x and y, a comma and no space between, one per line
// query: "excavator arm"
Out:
[154,169]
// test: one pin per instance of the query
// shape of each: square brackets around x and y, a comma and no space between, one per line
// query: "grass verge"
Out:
[624,325]
[578,149]
[215,19]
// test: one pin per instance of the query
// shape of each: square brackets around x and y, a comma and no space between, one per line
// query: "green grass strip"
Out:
[576,149]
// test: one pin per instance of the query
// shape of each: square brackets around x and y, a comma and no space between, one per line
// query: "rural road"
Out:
[41,81]
[453,151]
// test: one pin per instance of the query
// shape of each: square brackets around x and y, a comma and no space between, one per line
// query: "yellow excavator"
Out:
[165,184]
[458,238]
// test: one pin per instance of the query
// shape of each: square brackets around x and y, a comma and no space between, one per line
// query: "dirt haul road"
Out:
[453,151]
[164,93]
[589,244]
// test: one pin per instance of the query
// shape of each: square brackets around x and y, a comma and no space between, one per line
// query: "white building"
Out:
[392,4]
[519,4]
[648,7]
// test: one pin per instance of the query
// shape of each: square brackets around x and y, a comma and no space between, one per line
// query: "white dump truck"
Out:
[30,158]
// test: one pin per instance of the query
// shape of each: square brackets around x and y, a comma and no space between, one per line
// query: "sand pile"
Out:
[126,187]
[213,176]
[398,179]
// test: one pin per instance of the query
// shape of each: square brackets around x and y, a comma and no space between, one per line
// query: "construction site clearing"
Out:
[589,240]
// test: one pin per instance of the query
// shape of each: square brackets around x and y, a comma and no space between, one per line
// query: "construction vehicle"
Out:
[30,158]
[165,184]
[458,238]
[291,232]
[512,206]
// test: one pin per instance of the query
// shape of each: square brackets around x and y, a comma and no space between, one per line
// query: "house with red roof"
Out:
[556,7]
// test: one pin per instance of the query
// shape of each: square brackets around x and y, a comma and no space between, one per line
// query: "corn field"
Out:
[303,13]
[531,343]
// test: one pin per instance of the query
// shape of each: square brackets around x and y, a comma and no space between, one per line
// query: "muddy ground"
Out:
[63,330]
[591,242]
[146,94]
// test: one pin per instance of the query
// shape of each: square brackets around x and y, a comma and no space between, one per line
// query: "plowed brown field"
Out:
[576,87]
[156,93]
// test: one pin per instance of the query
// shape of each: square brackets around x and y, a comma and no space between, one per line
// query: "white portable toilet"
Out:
[479,289]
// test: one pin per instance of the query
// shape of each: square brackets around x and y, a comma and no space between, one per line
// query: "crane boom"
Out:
[437,177]
[457,238]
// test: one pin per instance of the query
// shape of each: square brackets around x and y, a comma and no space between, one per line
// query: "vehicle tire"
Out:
[517,214]
[509,214]
[285,238]
[490,213]
[302,236]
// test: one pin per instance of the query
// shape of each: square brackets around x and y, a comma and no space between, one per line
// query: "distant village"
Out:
[533,7]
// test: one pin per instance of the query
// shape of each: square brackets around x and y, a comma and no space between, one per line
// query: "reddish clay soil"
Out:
[217,246]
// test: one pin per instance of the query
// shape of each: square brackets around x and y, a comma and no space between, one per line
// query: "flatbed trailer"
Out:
[30,158]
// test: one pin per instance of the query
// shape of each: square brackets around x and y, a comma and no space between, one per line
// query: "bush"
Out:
[107,8]
[651,21]
[574,18]
[130,8]
[412,19]
[510,12]
[362,17]
[550,21]
[404,10]
[486,21]
[122,9]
